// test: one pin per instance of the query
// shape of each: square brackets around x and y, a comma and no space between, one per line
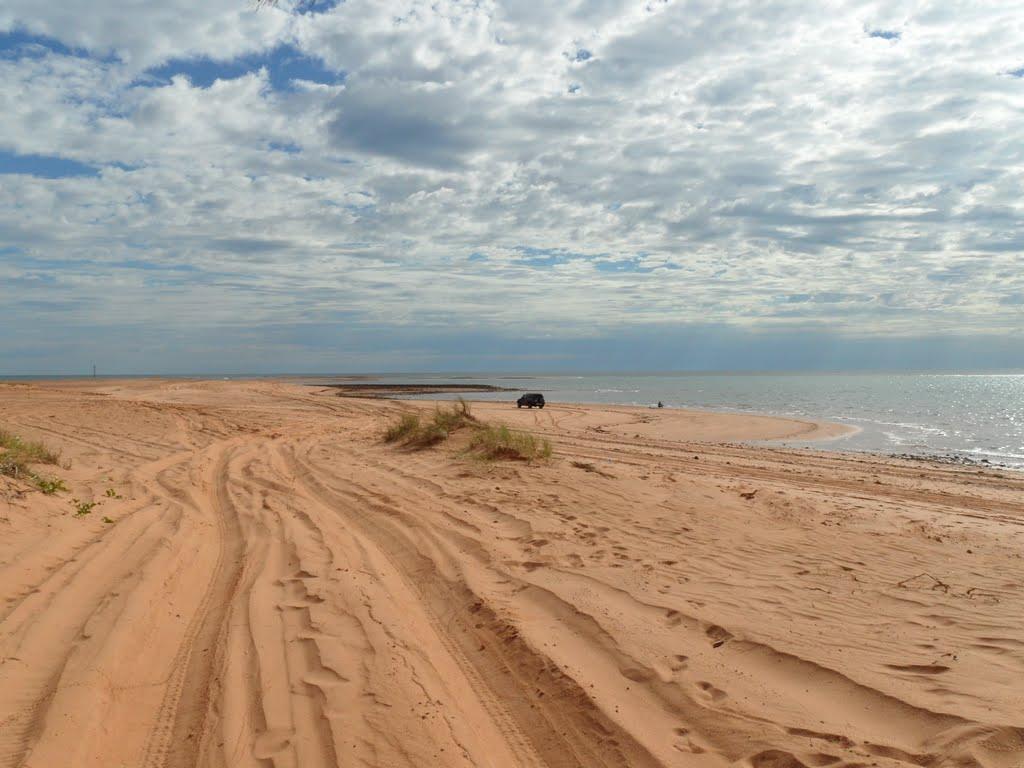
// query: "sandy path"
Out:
[277,588]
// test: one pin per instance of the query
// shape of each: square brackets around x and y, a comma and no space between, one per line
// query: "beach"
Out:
[264,582]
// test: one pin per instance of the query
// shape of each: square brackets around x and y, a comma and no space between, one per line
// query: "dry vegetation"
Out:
[17,457]
[411,430]
[491,443]
[486,442]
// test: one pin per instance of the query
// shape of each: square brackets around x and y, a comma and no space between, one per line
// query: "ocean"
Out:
[975,416]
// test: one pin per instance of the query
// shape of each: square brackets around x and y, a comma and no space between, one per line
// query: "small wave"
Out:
[1000,453]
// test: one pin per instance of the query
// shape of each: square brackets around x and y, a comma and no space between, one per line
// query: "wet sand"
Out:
[276,587]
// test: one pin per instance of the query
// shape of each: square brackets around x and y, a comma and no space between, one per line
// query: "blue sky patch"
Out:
[633,265]
[44,166]
[284,64]
[20,44]
[885,34]
[542,257]
[313,7]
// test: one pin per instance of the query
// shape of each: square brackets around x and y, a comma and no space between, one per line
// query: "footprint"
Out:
[687,746]
[637,674]
[831,738]
[920,669]
[719,636]
[715,694]
[775,758]
[821,759]
[678,662]
[272,742]
[324,677]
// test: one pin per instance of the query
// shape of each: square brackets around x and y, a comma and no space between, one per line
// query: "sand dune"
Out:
[276,587]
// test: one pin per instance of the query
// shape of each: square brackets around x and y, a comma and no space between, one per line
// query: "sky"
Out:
[374,185]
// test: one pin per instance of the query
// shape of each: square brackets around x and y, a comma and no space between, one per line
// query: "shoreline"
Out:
[671,422]
[813,432]
[816,432]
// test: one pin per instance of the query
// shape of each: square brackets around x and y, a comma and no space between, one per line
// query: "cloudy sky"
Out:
[401,185]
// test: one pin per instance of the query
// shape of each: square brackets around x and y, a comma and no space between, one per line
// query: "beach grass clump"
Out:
[17,457]
[455,418]
[428,434]
[411,430]
[26,451]
[492,443]
[486,442]
[403,429]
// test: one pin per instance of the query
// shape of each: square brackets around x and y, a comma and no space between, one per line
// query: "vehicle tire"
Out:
[541,407]
[519,405]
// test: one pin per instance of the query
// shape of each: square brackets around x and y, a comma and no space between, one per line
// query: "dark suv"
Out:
[531,399]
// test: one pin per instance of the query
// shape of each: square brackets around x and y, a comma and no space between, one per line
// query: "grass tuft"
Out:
[403,429]
[412,431]
[17,456]
[455,418]
[492,443]
[26,451]
[429,434]
[486,442]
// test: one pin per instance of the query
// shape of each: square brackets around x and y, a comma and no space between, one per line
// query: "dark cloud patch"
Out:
[250,245]
[423,128]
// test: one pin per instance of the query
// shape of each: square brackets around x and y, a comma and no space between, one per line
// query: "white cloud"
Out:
[610,163]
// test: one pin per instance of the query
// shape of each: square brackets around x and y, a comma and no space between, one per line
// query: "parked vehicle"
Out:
[531,399]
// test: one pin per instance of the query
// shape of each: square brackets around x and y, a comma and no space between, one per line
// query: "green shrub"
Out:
[83,507]
[50,485]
